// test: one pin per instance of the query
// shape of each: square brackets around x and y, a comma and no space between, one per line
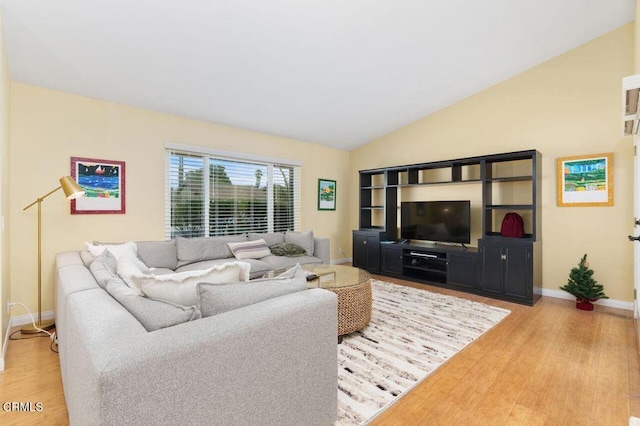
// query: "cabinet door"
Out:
[392,260]
[461,270]
[366,250]
[372,249]
[359,252]
[492,268]
[518,271]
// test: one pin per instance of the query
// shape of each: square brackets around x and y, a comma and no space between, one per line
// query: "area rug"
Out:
[412,332]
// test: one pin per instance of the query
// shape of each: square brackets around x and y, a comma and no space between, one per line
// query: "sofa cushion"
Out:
[303,239]
[287,249]
[250,249]
[104,267]
[215,299]
[158,254]
[258,267]
[282,262]
[161,271]
[152,314]
[270,238]
[180,287]
[191,250]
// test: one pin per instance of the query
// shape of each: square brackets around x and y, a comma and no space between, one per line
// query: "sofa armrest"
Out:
[322,249]
[274,362]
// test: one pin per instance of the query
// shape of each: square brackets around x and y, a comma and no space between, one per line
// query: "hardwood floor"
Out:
[548,364]
[32,375]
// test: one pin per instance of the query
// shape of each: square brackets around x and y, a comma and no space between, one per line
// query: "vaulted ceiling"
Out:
[336,73]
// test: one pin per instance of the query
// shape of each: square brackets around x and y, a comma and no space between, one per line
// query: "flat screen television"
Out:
[440,221]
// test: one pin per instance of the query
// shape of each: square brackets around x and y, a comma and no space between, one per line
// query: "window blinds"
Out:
[210,195]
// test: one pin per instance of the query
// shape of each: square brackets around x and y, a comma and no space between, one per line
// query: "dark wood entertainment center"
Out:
[500,267]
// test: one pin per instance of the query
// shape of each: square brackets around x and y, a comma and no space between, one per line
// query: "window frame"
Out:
[210,155]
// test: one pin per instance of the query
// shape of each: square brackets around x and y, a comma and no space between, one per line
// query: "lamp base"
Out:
[44,325]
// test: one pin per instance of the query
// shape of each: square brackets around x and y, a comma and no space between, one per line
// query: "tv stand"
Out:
[425,265]
[448,266]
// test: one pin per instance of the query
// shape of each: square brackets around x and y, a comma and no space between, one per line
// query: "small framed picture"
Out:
[104,184]
[326,194]
[585,180]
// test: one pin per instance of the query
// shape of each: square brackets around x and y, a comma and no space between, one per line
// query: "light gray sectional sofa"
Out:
[272,362]
[190,254]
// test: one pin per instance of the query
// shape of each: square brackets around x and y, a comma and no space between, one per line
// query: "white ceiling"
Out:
[335,72]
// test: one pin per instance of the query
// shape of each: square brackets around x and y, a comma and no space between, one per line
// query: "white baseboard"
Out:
[612,303]
[5,344]
[558,294]
[26,319]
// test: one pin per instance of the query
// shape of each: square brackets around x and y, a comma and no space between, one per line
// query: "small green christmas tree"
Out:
[582,285]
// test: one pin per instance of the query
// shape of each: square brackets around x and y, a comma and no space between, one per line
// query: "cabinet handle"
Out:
[503,256]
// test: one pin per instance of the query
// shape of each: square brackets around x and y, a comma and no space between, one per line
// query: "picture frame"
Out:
[104,184]
[585,180]
[326,194]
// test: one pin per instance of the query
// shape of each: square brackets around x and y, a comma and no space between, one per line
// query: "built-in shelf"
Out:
[508,181]
[510,206]
[505,268]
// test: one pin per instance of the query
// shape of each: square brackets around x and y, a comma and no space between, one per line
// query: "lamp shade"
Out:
[71,188]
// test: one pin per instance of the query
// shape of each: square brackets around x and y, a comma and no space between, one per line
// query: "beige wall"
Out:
[637,39]
[567,106]
[4,184]
[48,127]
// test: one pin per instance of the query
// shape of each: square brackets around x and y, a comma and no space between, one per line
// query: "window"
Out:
[213,193]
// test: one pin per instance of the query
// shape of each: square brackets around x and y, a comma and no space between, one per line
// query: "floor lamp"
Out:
[71,190]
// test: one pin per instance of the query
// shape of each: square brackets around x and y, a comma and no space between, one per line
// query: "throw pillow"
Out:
[152,314]
[180,287]
[287,249]
[87,257]
[250,249]
[118,250]
[129,250]
[215,299]
[129,267]
[160,254]
[303,239]
[104,267]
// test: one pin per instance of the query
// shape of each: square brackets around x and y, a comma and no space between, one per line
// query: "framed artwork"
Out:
[104,184]
[326,194]
[585,180]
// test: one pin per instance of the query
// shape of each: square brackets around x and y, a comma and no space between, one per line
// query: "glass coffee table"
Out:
[353,288]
